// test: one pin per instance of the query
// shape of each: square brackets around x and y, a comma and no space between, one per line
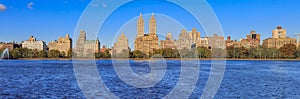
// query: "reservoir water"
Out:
[242,79]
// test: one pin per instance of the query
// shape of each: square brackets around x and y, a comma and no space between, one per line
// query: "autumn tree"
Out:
[288,51]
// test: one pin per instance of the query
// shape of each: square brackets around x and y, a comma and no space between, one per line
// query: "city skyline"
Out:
[43,21]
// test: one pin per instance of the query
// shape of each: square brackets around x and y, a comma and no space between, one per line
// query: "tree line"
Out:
[288,51]
[33,53]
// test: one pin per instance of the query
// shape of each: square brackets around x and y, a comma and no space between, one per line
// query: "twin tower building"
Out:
[145,43]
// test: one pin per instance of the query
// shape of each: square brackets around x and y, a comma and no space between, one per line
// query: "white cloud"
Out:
[29,5]
[2,7]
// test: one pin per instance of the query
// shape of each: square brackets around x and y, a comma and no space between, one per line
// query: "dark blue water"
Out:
[242,79]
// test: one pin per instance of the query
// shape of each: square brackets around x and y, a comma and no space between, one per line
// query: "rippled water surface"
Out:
[242,79]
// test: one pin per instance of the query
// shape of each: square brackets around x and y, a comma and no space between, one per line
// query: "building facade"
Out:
[195,36]
[10,46]
[216,41]
[278,39]
[203,42]
[252,40]
[121,45]
[86,48]
[279,32]
[168,43]
[34,44]
[232,43]
[184,40]
[62,44]
[146,43]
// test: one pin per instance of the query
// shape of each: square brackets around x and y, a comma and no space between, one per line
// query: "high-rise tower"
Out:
[152,25]
[140,26]
[146,43]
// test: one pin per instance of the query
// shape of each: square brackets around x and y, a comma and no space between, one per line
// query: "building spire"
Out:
[140,26]
[122,35]
[152,25]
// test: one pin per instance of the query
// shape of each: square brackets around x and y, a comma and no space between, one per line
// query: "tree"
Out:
[99,55]
[53,54]
[15,53]
[106,54]
[272,53]
[43,54]
[186,53]
[242,52]
[62,54]
[26,53]
[203,52]
[157,51]
[297,53]
[123,54]
[138,54]
[288,51]
[218,53]
[255,52]
[231,50]
[35,53]
[69,53]
[167,53]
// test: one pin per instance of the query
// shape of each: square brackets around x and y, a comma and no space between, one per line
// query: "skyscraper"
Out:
[146,43]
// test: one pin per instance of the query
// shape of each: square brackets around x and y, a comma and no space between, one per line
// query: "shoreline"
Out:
[228,59]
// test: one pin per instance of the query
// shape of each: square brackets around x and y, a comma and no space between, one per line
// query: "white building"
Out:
[32,43]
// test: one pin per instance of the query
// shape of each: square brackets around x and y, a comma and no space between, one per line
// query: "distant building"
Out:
[232,43]
[32,43]
[279,32]
[168,43]
[121,45]
[216,41]
[146,43]
[184,40]
[10,45]
[252,40]
[86,48]
[278,39]
[62,44]
[195,36]
[203,42]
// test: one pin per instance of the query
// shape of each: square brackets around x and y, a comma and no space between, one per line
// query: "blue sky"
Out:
[49,19]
